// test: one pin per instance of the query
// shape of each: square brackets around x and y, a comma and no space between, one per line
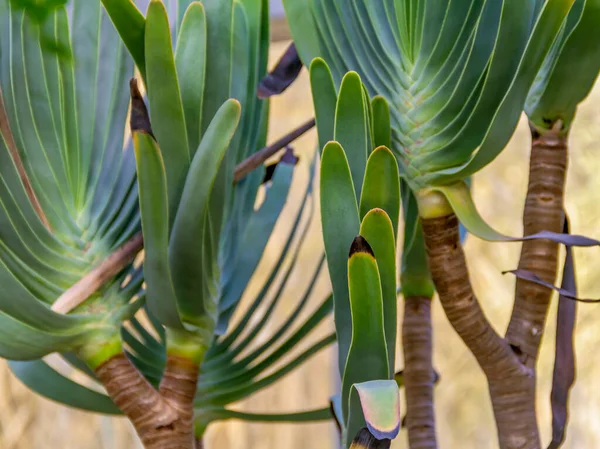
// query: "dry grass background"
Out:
[464,417]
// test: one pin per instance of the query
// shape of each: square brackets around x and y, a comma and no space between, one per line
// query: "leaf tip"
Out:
[365,440]
[139,120]
[360,245]
[288,158]
[282,76]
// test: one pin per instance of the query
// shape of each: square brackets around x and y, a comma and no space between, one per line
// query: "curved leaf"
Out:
[324,99]
[190,60]
[166,108]
[340,223]
[46,381]
[376,403]
[377,229]
[186,250]
[381,188]
[154,209]
[368,353]
[350,129]
[570,70]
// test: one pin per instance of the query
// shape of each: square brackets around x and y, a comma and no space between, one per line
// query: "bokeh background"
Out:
[464,417]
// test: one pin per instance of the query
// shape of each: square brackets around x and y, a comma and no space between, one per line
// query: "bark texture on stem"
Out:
[161,420]
[511,384]
[543,212]
[418,373]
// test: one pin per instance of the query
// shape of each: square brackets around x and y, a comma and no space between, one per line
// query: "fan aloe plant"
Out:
[457,76]
[360,202]
[78,190]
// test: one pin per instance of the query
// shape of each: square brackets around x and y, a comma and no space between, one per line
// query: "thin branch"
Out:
[92,281]
[16,157]
[246,167]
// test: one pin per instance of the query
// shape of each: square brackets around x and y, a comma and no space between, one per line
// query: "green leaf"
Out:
[459,197]
[506,118]
[220,414]
[38,376]
[152,180]
[219,23]
[130,24]
[351,123]
[20,341]
[376,403]
[377,229]
[324,100]
[569,72]
[166,108]
[340,224]
[368,353]
[298,13]
[190,60]
[381,187]
[255,239]
[186,250]
[415,278]
[382,128]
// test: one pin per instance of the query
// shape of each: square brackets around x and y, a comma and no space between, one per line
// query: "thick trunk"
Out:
[511,384]
[161,419]
[543,212]
[418,373]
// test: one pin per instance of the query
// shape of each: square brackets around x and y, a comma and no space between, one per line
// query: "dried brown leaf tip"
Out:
[283,75]
[139,120]
[360,245]
[365,440]
[288,158]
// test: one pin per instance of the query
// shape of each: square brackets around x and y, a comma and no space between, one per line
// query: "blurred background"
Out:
[464,416]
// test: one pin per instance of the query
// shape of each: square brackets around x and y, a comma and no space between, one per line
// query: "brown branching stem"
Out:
[164,418]
[543,212]
[419,375]
[511,384]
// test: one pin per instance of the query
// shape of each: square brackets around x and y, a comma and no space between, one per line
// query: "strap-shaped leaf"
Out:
[186,250]
[382,128]
[368,353]
[219,17]
[324,99]
[570,69]
[130,23]
[270,282]
[505,121]
[258,233]
[377,229]
[456,74]
[166,108]
[190,60]
[340,223]
[459,198]
[20,341]
[377,404]
[415,278]
[381,188]
[154,209]
[350,129]
[46,381]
